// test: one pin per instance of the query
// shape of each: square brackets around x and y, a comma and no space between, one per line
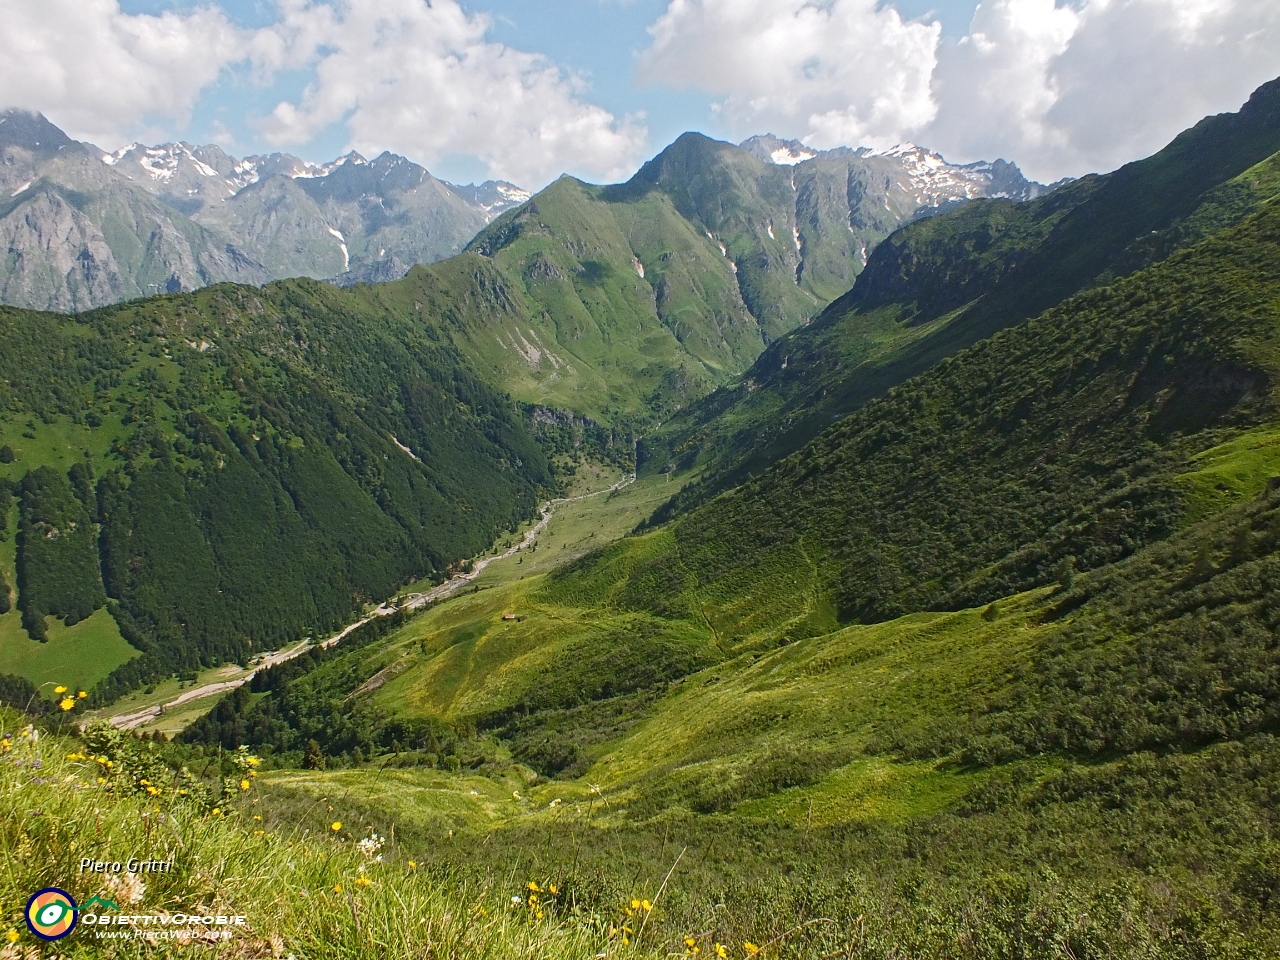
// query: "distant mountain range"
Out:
[83,228]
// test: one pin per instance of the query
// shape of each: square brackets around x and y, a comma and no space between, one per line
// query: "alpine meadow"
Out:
[784,552]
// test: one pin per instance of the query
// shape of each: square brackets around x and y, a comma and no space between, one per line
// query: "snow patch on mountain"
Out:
[342,244]
[790,157]
[309,171]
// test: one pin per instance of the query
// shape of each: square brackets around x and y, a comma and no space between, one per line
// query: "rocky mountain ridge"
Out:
[83,227]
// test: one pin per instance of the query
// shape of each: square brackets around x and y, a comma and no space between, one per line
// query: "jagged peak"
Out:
[31,129]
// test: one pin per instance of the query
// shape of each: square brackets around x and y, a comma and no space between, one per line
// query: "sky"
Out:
[525,90]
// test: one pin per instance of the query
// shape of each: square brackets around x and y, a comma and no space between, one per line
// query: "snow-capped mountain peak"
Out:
[310,171]
[917,176]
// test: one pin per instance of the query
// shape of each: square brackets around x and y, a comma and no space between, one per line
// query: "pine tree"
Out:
[313,759]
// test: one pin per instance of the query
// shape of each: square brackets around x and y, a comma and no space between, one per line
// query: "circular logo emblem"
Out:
[51,913]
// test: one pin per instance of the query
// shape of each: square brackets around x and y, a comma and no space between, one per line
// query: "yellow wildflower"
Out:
[59,690]
[412,865]
[646,905]
[81,695]
[66,703]
[635,904]
[335,826]
[721,952]
[554,890]
[533,885]
[244,784]
[337,888]
[750,947]
[13,936]
[690,942]
[364,882]
[258,818]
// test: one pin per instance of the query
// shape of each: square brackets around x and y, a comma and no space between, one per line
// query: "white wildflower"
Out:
[126,887]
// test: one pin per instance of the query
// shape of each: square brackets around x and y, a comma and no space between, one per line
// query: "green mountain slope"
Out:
[1063,455]
[641,297]
[939,285]
[1001,641]
[1050,443]
[245,467]
[628,306]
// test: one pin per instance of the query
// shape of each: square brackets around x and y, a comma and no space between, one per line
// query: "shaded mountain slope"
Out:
[939,285]
[1054,442]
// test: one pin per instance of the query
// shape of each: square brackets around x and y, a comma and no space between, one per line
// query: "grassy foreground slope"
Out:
[305,887]
[939,285]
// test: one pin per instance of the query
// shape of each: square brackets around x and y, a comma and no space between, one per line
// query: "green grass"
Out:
[306,893]
[77,656]
[429,800]
[58,444]
[578,528]
[816,704]
[868,789]
[1232,471]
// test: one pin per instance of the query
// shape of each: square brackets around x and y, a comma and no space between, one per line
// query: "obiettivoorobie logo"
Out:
[51,913]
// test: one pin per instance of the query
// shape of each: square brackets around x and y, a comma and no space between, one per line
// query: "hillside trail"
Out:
[129,721]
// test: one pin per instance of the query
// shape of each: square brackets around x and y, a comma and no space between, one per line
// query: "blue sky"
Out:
[527,89]
[597,39]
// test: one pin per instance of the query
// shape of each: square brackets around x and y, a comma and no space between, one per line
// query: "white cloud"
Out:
[1064,91]
[415,77]
[1060,88]
[421,79]
[98,72]
[839,71]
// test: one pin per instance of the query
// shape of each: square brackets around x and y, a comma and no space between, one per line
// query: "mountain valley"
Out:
[867,556]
